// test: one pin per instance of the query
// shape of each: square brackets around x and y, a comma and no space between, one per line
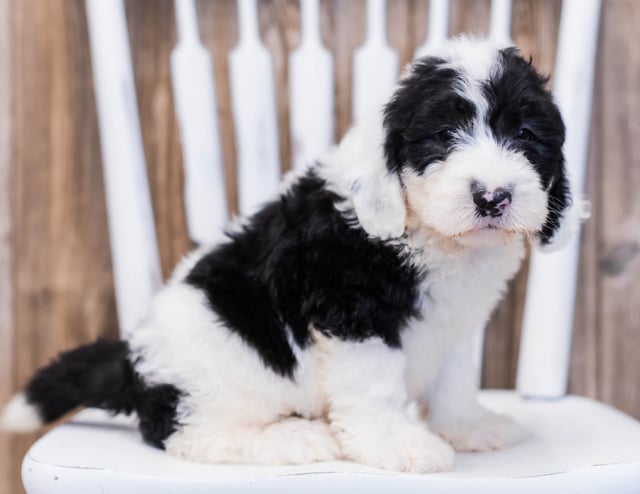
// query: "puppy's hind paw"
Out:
[288,441]
[296,441]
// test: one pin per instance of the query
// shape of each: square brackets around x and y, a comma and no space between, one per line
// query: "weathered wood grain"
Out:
[619,207]
[280,32]
[535,28]
[469,16]
[406,27]
[219,33]
[63,288]
[6,264]
[343,31]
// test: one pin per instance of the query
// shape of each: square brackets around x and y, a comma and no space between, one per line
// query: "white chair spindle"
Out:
[551,289]
[438,26]
[375,65]
[254,111]
[134,251]
[195,104]
[500,20]
[310,91]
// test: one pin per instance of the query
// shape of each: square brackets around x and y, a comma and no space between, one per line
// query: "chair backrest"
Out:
[548,319]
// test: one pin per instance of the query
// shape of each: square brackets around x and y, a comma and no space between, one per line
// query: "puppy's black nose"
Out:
[490,203]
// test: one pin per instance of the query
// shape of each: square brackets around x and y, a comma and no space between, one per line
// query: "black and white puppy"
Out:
[307,332]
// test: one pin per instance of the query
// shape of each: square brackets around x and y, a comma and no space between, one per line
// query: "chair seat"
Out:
[575,445]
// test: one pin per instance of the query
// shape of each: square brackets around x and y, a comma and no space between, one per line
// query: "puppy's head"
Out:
[475,141]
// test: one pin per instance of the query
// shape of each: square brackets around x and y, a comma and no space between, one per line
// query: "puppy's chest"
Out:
[455,299]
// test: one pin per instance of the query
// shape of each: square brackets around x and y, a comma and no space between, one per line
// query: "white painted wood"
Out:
[254,111]
[500,20]
[310,91]
[375,65]
[134,251]
[566,451]
[195,103]
[549,308]
[438,27]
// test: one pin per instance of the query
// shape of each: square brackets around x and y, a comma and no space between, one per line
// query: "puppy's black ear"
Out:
[565,214]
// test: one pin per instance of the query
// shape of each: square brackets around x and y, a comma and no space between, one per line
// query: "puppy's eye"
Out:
[445,134]
[525,134]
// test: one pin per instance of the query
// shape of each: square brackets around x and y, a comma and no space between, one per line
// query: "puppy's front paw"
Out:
[400,446]
[488,432]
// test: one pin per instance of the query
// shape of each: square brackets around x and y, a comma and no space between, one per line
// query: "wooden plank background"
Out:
[56,287]
[6,269]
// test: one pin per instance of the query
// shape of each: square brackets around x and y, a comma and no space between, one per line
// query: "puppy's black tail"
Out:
[98,375]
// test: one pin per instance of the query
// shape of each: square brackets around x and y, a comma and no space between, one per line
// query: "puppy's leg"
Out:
[454,411]
[291,440]
[364,385]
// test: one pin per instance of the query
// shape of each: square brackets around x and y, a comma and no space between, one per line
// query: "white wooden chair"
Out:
[575,444]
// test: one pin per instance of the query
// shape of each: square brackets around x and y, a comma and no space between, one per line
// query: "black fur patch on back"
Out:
[518,99]
[300,262]
[100,375]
